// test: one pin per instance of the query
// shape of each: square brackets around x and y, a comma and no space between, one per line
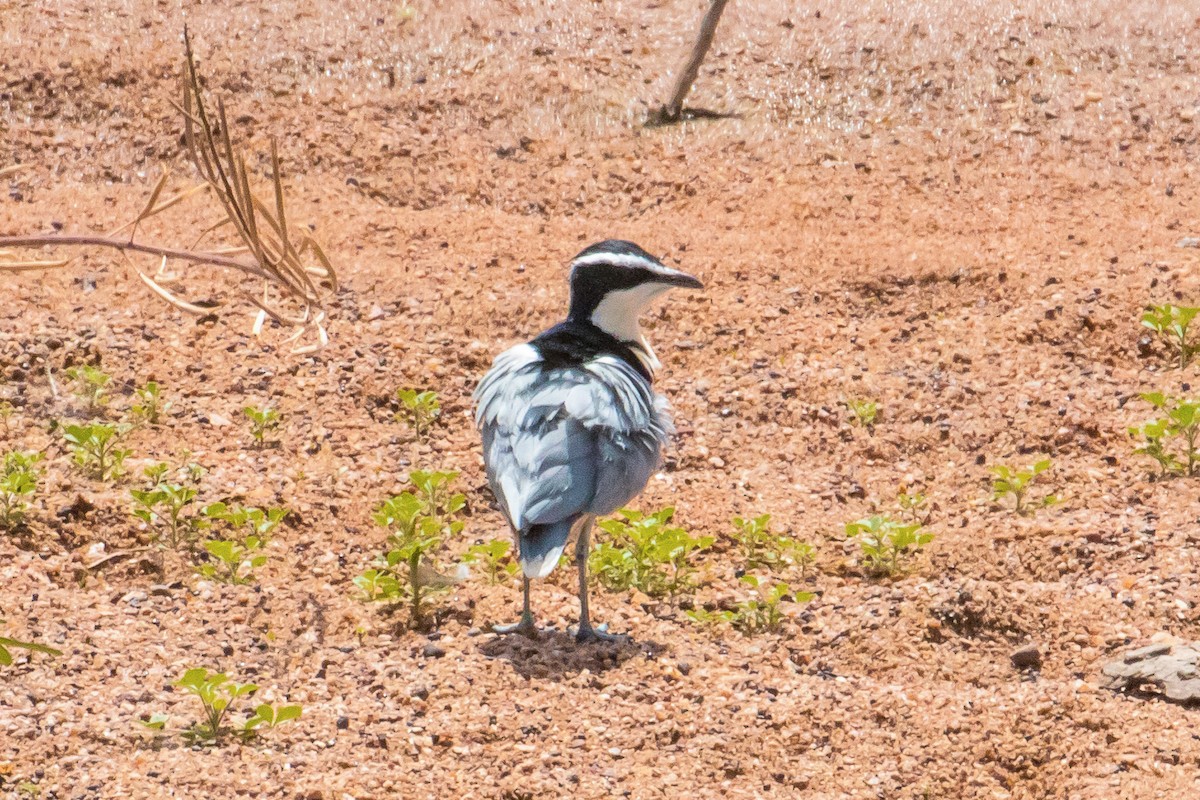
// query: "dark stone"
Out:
[1027,657]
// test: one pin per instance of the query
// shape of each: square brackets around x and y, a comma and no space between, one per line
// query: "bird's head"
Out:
[614,281]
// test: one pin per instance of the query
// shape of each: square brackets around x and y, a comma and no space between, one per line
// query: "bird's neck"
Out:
[617,316]
[616,313]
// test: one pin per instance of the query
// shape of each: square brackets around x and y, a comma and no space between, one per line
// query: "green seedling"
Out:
[236,561]
[18,484]
[163,507]
[381,585]
[237,557]
[864,411]
[256,521]
[419,409]
[647,554]
[262,422]
[1153,434]
[95,448]
[762,547]
[437,500]
[1171,323]
[1180,425]
[417,524]
[217,694]
[6,658]
[91,385]
[149,405]
[886,543]
[496,559]
[1017,482]
[156,474]
[1184,417]
[914,506]
[760,613]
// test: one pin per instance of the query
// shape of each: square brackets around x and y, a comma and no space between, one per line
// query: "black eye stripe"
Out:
[611,277]
[591,282]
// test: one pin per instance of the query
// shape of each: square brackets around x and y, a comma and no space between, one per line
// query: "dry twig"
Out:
[673,111]
[291,262]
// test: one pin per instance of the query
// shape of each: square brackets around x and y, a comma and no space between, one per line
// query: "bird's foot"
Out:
[586,633]
[525,627]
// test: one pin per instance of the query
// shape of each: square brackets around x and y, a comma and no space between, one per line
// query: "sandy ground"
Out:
[959,209]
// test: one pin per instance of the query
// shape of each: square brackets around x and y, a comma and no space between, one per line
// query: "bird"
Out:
[572,428]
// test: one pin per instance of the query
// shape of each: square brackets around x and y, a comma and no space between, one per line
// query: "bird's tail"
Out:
[541,546]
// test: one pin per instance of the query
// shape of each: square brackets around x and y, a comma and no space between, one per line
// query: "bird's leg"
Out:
[585,632]
[525,627]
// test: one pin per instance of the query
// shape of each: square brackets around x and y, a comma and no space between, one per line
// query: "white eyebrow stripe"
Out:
[619,260]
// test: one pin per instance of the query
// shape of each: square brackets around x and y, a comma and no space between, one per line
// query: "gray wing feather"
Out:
[567,441]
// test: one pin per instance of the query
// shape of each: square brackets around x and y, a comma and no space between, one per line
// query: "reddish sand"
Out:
[956,209]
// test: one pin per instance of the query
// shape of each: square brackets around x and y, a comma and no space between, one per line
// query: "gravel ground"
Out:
[959,210]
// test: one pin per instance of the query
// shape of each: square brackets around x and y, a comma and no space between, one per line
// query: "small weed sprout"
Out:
[496,559]
[6,411]
[864,411]
[760,613]
[149,406]
[1182,424]
[91,385]
[163,507]
[18,484]
[1017,482]
[156,474]
[886,543]
[1171,323]
[419,409]
[647,554]
[762,547]
[1152,434]
[95,448]
[1184,416]
[914,505]
[6,643]
[236,561]
[417,524]
[257,521]
[217,694]
[262,422]
[238,557]
[437,500]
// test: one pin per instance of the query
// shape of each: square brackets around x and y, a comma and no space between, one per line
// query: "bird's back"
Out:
[571,427]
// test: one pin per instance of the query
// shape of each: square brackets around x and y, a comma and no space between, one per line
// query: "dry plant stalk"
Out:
[270,251]
[673,110]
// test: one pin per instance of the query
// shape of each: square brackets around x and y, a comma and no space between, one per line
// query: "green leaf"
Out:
[1156,399]
[194,678]
[264,714]
[222,549]
[156,722]
[287,713]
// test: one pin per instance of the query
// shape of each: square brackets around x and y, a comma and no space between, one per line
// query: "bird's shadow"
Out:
[554,655]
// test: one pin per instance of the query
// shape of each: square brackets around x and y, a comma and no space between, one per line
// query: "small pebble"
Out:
[1027,657]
